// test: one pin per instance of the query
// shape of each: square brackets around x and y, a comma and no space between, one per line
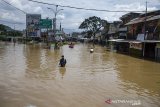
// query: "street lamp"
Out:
[55,14]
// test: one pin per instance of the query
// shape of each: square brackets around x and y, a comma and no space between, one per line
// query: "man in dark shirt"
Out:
[62,62]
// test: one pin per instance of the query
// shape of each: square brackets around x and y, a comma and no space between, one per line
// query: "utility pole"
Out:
[14,41]
[145,30]
[47,37]
[55,17]
[60,27]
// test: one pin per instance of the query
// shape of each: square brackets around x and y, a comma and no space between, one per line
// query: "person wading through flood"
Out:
[62,62]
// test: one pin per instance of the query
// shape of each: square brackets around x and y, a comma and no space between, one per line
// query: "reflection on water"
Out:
[30,76]
[62,71]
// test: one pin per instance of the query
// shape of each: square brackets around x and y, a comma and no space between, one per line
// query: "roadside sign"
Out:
[32,25]
[45,23]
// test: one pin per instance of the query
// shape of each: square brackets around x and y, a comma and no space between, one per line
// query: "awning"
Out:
[151,41]
[135,42]
[123,41]
[138,41]
[122,29]
[115,40]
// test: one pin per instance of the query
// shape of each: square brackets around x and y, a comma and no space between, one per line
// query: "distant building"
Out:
[137,25]
[129,16]
[125,19]
[59,35]
[113,29]
[32,25]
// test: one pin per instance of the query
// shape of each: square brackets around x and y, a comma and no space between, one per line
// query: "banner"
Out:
[32,25]
[135,45]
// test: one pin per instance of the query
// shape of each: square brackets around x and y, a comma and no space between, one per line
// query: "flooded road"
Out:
[30,77]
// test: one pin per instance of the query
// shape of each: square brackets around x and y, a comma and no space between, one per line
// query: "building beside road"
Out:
[125,19]
[32,25]
[145,31]
[142,35]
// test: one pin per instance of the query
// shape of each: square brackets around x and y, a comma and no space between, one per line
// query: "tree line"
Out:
[7,31]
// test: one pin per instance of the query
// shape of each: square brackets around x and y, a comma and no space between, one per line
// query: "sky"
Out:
[70,18]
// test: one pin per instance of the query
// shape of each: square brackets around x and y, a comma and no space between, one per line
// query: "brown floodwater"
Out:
[30,77]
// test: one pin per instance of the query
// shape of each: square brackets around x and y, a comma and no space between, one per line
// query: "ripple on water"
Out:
[30,76]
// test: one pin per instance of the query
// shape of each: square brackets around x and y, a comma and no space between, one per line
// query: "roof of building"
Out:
[142,19]
[156,12]
[128,14]
[154,18]
[138,41]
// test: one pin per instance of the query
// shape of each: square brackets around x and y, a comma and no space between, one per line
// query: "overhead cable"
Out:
[80,8]
[14,7]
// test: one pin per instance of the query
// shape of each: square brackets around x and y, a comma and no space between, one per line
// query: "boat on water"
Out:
[71,45]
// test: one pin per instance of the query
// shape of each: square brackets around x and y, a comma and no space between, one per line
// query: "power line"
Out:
[70,22]
[80,8]
[14,7]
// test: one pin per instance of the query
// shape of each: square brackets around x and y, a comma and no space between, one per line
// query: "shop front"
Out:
[157,53]
[123,46]
[151,50]
[135,48]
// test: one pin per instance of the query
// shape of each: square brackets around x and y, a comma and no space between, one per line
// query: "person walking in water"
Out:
[62,62]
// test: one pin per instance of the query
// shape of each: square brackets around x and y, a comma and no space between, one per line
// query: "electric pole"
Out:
[145,30]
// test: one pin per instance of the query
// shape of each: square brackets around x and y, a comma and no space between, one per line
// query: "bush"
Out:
[3,37]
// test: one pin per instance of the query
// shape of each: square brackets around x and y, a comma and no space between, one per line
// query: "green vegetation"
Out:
[6,31]
[93,25]
[2,37]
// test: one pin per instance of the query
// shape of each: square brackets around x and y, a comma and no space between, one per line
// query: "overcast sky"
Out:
[71,18]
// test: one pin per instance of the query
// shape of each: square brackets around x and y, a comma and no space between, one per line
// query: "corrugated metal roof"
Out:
[136,20]
[138,41]
[154,18]
[139,20]
[151,41]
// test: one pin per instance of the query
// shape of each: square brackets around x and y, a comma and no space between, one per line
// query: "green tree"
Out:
[14,33]
[2,27]
[93,25]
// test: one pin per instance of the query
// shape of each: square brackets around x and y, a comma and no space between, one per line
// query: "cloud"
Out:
[71,18]
[38,9]
[133,7]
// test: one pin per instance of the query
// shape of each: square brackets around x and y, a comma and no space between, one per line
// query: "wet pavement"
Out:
[31,77]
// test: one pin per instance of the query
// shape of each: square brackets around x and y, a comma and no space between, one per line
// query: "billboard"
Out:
[45,23]
[32,25]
